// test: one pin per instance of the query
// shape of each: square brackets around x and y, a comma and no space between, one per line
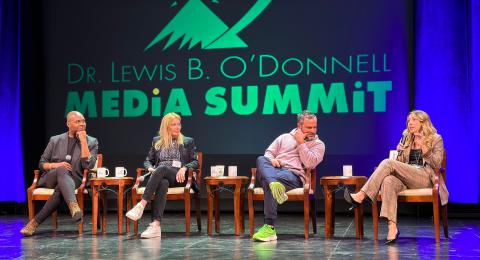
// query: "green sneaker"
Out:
[265,233]
[278,192]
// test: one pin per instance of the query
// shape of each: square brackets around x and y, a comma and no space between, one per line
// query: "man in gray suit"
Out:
[62,164]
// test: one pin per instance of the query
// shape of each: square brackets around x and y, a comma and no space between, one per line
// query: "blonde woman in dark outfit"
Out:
[169,158]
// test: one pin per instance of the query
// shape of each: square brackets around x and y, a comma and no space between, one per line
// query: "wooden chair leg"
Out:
[95,211]
[129,207]
[375,219]
[209,209]
[313,214]
[54,220]
[198,211]
[99,218]
[306,215]
[135,223]
[445,220]
[31,209]
[80,228]
[242,211]
[103,194]
[135,227]
[436,219]
[217,211]
[82,207]
[251,213]
[329,211]
[187,213]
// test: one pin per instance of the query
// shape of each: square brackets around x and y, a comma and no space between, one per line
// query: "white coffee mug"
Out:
[347,170]
[232,171]
[220,170]
[217,170]
[102,172]
[120,172]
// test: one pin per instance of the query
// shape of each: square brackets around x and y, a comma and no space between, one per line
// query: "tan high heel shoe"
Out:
[30,228]
[75,211]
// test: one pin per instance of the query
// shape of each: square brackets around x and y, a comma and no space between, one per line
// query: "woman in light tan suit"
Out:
[420,154]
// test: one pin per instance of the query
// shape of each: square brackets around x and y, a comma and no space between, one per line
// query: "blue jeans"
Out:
[267,174]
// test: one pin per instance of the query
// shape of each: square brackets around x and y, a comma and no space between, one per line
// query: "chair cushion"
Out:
[416,192]
[174,190]
[46,191]
[297,191]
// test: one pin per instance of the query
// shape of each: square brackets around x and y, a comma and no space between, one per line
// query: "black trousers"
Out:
[64,184]
[157,187]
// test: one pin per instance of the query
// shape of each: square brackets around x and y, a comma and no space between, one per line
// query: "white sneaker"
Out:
[136,213]
[152,231]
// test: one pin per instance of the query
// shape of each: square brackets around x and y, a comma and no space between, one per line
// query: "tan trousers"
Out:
[390,178]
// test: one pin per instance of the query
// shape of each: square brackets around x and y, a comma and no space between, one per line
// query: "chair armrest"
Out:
[436,181]
[139,180]
[307,185]
[189,180]
[196,177]
[35,180]
[306,189]
[251,186]
[84,181]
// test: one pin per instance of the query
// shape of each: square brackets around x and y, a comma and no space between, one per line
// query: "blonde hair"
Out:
[164,132]
[427,128]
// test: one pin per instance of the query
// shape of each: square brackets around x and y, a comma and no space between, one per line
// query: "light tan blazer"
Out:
[432,161]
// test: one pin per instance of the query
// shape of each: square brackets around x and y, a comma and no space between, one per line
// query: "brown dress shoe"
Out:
[30,228]
[75,211]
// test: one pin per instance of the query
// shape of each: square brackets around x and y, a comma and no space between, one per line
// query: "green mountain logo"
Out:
[195,23]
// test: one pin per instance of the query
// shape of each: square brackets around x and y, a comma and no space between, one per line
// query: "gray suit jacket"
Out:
[56,151]
[432,161]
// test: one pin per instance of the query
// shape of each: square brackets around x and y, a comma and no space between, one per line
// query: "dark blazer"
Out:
[188,155]
[56,151]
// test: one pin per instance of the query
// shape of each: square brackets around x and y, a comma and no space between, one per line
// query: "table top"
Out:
[111,180]
[343,180]
[226,180]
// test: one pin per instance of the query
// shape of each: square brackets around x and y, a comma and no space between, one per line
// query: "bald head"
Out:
[75,122]
[72,114]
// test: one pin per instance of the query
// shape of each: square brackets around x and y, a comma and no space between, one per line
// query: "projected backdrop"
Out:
[236,70]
